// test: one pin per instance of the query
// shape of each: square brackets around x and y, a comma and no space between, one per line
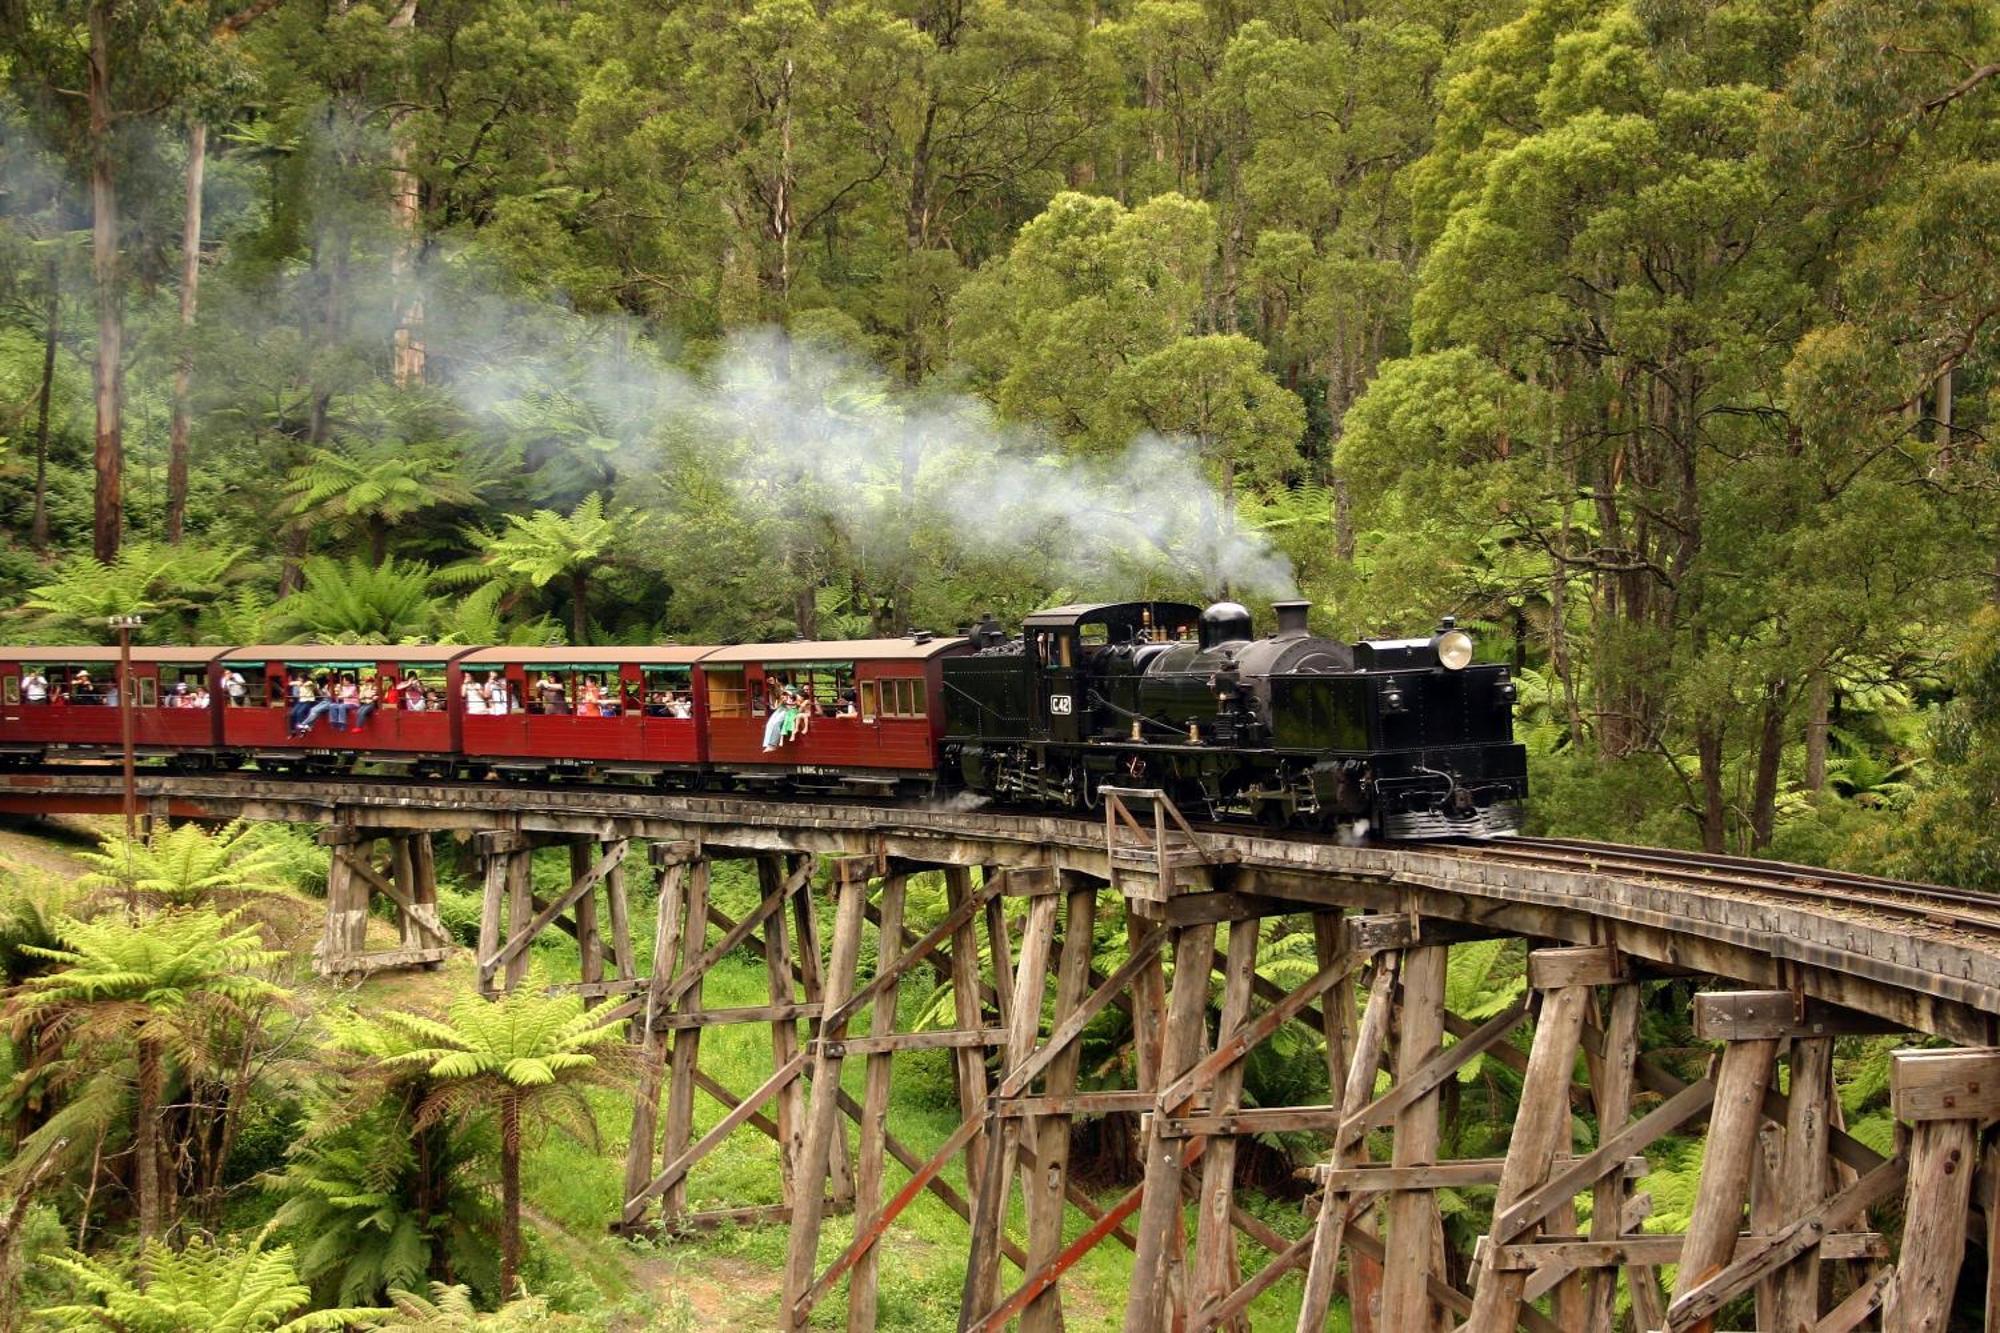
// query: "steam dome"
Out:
[1225,622]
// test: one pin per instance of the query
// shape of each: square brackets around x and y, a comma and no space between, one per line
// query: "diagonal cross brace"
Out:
[426,920]
[1663,1119]
[1246,1038]
[1769,1253]
[1431,1075]
[522,937]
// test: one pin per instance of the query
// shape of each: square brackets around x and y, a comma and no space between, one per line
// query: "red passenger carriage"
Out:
[413,718]
[76,713]
[873,709]
[621,710]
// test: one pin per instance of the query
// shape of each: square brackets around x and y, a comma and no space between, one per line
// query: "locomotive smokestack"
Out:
[1291,618]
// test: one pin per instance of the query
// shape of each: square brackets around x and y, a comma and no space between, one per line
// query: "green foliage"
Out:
[205,1288]
[186,865]
[151,579]
[152,969]
[371,1215]
[359,601]
[449,1309]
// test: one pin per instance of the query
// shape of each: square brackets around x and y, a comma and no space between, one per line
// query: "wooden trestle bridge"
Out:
[1793,1221]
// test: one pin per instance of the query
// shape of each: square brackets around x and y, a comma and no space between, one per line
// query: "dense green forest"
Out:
[1654,340]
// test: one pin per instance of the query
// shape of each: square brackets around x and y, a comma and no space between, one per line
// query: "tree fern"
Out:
[187,866]
[206,1288]
[358,601]
[526,1056]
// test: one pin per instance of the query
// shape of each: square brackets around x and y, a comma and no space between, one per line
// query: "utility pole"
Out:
[125,625]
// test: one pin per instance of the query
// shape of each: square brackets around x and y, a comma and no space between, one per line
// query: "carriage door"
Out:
[1063,687]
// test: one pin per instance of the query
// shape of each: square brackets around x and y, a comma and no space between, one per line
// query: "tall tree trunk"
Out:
[38,526]
[1819,703]
[1714,809]
[146,1171]
[108,513]
[177,432]
[407,355]
[579,610]
[1770,748]
[510,1193]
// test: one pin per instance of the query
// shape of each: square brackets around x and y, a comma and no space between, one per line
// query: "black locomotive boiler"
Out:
[1404,737]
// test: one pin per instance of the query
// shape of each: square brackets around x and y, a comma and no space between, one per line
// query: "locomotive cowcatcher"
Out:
[1406,737]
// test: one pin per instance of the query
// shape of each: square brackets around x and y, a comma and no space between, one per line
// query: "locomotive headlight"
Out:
[1454,649]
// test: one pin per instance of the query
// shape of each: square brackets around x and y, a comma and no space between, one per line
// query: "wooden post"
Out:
[621,919]
[1943,1154]
[655,1035]
[1725,1166]
[587,942]
[1541,1130]
[1767,1211]
[823,1112]
[1407,1306]
[1329,1232]
[333,938]
[1611,1092]
[784,1031]
[1946,1095]
[1803,1175]
[1159,1228]
[997,1175]
[812,981]
[520,909]
[492,898]
[1043,1314]
[424,886]
[403,869]
[686,1056]
[861,1290]
[969,1014]
[1215,1265]
[1989,1202]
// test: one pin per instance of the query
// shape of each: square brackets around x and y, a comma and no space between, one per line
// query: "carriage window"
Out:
[903,697]
[10,689]
[149,692]
[728,695]
[830,685]
[669,691]
[420,687]
[869,694]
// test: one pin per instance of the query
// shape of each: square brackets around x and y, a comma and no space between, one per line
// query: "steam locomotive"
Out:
[1405,738]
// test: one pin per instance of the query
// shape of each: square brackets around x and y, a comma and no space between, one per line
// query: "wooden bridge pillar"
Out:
[512,916]
[1947,1096]
[407,876]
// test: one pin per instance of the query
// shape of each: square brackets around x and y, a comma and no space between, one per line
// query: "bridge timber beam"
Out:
[1046,928]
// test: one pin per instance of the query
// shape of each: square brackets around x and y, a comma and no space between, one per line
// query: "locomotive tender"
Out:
[1404,738]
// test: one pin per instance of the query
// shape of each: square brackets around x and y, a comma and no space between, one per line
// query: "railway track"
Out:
[1705,872]
[1715,873]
